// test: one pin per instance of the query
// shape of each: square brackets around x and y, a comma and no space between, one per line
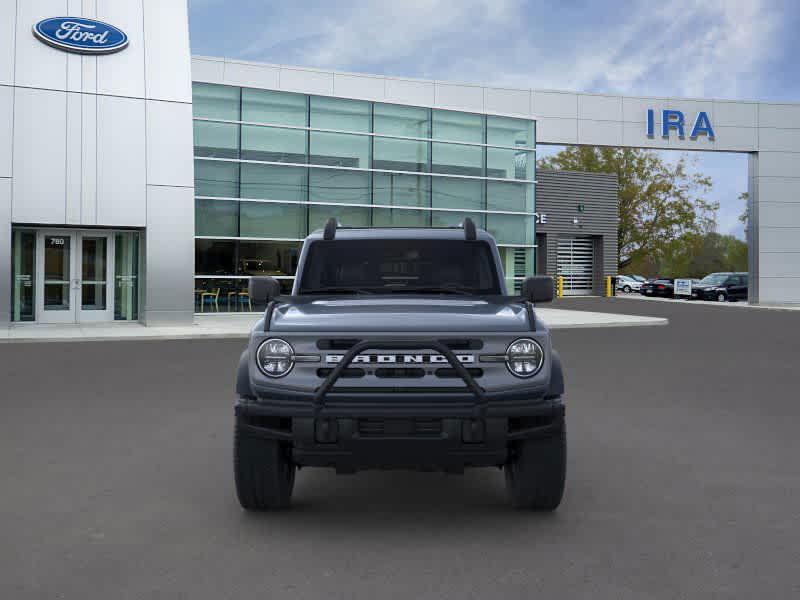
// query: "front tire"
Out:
[627,289]
[536,473]
[722,297]
[263,472]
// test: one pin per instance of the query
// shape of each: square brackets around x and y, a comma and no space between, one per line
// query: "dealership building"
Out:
[139,183]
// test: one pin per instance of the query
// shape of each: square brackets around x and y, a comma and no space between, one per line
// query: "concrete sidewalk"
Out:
[238,326]
[737,304]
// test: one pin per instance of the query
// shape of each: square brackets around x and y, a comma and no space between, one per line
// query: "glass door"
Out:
[94,292]
[55,277]
[74,277]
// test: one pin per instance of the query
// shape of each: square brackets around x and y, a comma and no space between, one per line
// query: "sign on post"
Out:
[683,287]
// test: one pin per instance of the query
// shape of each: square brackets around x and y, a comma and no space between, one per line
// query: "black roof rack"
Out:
[331,225]
[330,229]
[469,229]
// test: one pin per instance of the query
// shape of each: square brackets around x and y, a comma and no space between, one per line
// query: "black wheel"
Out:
[627,289]
[536,472]
[721,297]
[263,472]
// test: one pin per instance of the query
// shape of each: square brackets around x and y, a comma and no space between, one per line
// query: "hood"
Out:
[407,314]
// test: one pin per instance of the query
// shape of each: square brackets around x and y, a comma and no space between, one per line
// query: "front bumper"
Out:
[705,294]
[427,434]
[395,427]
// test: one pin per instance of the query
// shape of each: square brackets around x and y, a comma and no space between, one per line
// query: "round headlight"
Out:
[524,357]
[275,357]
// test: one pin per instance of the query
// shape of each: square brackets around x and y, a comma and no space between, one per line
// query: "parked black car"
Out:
[722,287]
[663,288]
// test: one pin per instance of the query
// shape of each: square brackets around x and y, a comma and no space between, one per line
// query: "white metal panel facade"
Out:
[73,127]
[40,147]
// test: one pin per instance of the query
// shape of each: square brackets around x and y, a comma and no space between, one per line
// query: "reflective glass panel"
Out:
[446,218]
[457,159]
[273,182]
[220,294]
[517,264]
[337,113]
[214,257]
[396,217]
[268,258]
[339,185]
[509,164]
[280,108]
[126,276]
[400,155]
[268,220]
[507,195]
[57,272]
[220,140]
[216,218]
[216,178]
[23,261]
[348,216]
[507,131]
[457,126]
[510,229]
[406,121]
[93,273]
[452,192]
[215,101]
[339,150]
[273,144]
[401,190]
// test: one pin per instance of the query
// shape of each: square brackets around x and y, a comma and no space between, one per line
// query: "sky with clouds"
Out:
[739,49]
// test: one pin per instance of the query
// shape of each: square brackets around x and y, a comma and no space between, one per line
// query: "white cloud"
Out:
[687,47]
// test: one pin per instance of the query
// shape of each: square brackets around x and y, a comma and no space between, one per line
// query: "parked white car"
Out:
[627,284]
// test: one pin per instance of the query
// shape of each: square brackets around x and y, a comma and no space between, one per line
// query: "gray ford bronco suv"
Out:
[400,348]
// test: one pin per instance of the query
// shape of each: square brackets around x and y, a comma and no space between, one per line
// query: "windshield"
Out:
[399,266]
[714,279]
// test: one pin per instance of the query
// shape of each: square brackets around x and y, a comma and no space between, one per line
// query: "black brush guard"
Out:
[479,407]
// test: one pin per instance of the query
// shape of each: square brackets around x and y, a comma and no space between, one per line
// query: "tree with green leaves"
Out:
[659,201]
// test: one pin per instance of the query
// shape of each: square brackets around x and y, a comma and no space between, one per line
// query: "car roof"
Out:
[401,233]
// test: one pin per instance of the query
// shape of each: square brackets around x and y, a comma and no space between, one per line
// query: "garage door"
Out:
[576,264]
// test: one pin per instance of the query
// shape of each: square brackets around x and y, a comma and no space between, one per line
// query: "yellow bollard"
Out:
[560,290]
[608,287]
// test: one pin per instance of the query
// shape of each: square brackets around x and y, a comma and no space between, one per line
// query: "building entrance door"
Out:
[575,263]
[74,273]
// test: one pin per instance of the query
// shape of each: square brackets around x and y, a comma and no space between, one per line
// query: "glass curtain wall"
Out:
[272,166]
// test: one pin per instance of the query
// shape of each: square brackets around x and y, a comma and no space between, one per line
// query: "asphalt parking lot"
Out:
[683,479]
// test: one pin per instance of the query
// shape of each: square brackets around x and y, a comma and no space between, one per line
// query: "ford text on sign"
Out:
[84,36]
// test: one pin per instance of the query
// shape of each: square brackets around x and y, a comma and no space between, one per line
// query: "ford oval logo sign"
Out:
[76,34]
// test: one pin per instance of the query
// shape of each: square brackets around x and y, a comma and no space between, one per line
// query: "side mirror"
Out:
[263,289]
[538,288]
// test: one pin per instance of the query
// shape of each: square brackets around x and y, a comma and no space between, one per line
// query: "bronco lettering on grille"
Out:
[403,359]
